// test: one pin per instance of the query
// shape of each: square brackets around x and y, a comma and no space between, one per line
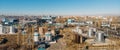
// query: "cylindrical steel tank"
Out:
[100,37]
[48,36]
[1,28]
[12,30]
[90,32]
[36,36]
[5,29]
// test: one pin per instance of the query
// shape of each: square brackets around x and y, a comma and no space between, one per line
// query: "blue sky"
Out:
[60,7]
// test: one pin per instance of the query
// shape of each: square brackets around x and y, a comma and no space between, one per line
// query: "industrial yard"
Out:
[59,32]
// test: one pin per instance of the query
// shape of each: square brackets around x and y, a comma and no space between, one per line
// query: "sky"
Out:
[60,7]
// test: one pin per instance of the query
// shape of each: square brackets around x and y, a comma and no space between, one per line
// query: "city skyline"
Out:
[59,7]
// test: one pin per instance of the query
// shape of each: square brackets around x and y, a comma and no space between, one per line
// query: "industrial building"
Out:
[66,33]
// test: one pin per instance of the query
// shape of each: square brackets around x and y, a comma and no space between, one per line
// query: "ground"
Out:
[57,46]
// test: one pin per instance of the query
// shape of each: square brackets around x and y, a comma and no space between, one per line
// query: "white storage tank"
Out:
[12,30]
[36,36]
[1,29]
[5,29]
[100,37]
[48,36]
[90,32]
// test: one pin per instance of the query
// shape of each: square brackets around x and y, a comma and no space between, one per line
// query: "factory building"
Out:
[89,22]
[70,21]
[7,29]
[10,21]
[7,26]
[48,19]
[105,24]
[99,37]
